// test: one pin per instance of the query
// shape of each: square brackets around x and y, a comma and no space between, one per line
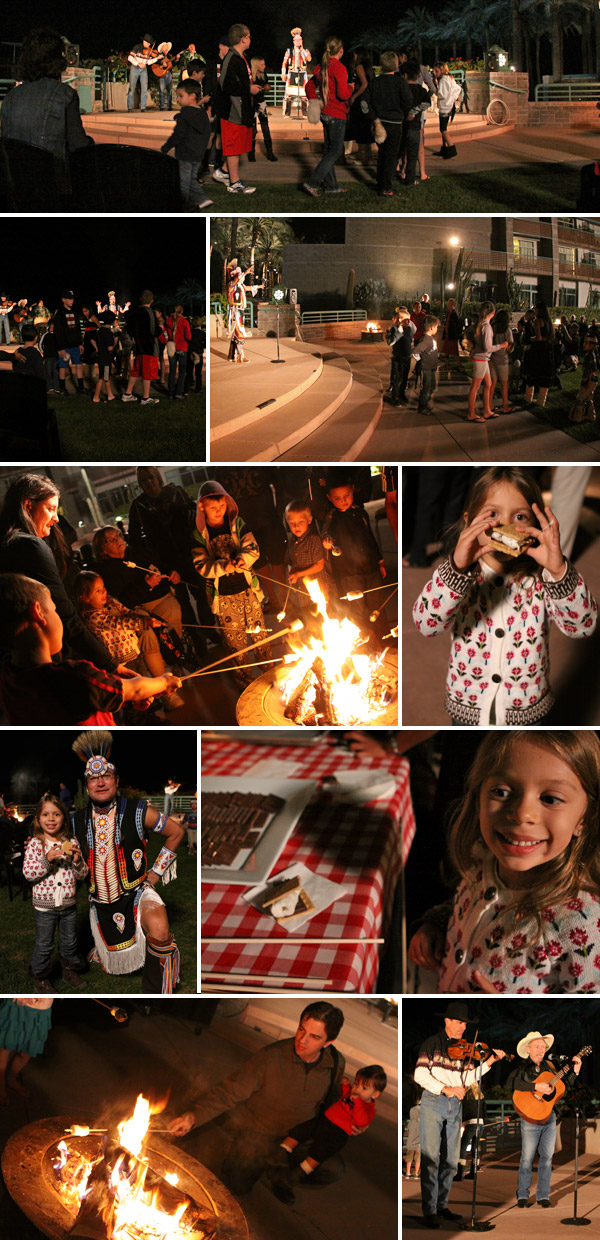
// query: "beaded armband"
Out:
[166,865]
[160,824]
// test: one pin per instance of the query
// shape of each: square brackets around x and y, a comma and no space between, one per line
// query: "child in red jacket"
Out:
[329,1131]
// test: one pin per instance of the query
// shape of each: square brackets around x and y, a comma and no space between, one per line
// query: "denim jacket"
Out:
[44,114]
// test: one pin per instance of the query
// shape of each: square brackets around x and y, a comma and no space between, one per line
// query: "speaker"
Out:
[71,53]
[293,296]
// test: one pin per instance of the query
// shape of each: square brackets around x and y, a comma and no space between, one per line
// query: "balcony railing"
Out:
[333,316]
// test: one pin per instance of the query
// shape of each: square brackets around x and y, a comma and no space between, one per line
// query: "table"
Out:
[358,846]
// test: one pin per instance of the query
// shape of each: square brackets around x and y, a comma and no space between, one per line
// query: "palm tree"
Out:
[261,241]
[220,240]
[415,27]
[190,291]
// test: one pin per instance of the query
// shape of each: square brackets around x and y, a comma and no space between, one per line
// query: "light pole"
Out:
[452,243]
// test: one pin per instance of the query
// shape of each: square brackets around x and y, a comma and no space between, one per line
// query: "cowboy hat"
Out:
[523,1045]
[456,1011]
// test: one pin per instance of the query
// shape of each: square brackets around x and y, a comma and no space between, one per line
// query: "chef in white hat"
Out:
[537,1139]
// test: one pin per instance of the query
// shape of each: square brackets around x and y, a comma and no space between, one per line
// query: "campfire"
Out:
[328,678]
[371,333]
[118,1194]
[119,1182]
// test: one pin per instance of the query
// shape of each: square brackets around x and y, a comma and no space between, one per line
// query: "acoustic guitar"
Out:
[165,64]
[536,1107]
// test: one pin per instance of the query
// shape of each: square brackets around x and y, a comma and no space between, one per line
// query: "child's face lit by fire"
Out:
[215,507]
[342,498]
[530,810]
[299,522]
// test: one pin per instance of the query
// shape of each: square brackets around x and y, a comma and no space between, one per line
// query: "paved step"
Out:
[241,397]
[280,431]
[347,433]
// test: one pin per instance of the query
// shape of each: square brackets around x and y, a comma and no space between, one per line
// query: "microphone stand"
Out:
[477,1224]
[576,1221]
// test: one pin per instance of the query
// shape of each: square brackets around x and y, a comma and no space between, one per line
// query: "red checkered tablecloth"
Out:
[357,846]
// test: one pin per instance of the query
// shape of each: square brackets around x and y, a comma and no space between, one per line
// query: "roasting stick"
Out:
[263,577]
[352,595]
[235,654]
[221,671]
[272,983]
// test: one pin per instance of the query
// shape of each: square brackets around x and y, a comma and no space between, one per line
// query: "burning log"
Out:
[312,702]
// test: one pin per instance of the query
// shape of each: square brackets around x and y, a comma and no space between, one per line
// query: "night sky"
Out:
[101,28]
[35,760]
[92,256]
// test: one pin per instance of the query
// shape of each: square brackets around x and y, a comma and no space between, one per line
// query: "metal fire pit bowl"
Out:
[30,1178]
[371,337]
[261,704]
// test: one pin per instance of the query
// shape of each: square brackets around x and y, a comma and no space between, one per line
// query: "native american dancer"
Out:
[294,73]
[128,917]
[237,301]
[112,305]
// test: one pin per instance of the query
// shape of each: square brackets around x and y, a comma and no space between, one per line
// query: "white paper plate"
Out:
[256,866]
[361,785]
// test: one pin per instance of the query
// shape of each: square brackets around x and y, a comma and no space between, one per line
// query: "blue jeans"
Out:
[192,193]
[333,145]
[537,1139]
[4,327]
[429,381]
[165,87]
[45,928]
[440,1149]
[168,801]
[52,373]
[177,367]
[136,74]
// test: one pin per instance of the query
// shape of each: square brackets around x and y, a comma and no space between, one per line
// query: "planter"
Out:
[116,94]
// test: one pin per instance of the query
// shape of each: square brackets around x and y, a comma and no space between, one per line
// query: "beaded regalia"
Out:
[294,73]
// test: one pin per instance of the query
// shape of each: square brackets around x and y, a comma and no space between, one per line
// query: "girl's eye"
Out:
[547,798]
[523,516]
[500,793]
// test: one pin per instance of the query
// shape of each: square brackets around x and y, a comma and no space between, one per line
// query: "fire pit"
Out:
[29,1165]
[371,334]
[262,704]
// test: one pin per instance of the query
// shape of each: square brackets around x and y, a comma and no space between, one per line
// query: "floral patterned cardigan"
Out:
[499,659]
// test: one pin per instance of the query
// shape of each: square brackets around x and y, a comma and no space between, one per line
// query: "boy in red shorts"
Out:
[145,329]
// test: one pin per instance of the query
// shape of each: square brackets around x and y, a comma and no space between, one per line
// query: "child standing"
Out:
[482,351]
[525,841]
[413,1144]
[329,1132]
[24,1028]
[190,140]
[53,863]
[449,93]
[584,409]
[259,104]
[225,552]
[390,101]
[498,608]
[49,350]
[304,555]
[411,134]
[400,338]
[105,344]
[27,359]
[427,350]
[359,564]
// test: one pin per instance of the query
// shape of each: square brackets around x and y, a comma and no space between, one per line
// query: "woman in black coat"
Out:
[27,516]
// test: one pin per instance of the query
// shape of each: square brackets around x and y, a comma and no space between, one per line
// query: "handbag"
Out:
[379,131]
[313,113]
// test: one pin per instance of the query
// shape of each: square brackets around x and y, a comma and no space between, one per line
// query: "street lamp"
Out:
[451,243]
[278,296]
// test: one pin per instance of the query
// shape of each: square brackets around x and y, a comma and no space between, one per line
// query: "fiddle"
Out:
[476,1052]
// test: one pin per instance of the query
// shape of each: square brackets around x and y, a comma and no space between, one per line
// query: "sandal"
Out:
[511,409]
[488,416]
[477,419]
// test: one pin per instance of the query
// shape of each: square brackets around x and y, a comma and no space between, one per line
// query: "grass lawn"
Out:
[552,187]
[556,410]
[17,934]
[172,430]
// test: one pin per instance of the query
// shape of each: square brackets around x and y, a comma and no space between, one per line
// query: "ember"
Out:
[327,680]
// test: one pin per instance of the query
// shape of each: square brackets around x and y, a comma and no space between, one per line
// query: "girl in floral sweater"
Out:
[525,840]
[498,608]
[53,863]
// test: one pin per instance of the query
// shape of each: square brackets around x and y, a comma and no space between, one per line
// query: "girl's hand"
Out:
[426,947]
[54,853]
[182,1124]
[547,552]
[328,543]
[484,984]
[468,548]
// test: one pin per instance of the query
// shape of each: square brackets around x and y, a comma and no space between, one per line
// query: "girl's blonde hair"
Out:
[443,67]
[511,474]
[332,47]
[254,63]
[50,799]
[578,867]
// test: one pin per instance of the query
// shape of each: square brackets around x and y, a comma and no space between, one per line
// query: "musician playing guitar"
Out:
[537,1137]
[140,56]
[163,70]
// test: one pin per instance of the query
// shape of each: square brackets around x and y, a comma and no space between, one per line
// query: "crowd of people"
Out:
[222,101]
[105,349]
[84,633]
[521,361]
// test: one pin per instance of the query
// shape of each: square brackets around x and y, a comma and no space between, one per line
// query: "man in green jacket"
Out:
[282,1085]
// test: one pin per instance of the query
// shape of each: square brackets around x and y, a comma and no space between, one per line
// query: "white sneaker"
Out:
[239,187]
[219,175]
[150,400]
[128,396]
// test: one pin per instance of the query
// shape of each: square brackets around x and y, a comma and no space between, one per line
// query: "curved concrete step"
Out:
[282,429]
[347,432]
[304,362]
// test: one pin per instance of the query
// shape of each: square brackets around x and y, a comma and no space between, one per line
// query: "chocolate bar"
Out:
[233,821]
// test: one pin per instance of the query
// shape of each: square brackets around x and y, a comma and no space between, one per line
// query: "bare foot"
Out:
[17,1086]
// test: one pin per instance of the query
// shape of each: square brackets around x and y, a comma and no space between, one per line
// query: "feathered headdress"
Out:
[94,749]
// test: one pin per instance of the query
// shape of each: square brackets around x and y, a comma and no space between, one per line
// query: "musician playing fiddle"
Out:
[444,1080]
[537,1138]
[140,56]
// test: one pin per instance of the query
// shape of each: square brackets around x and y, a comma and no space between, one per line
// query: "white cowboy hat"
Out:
[165,47]
[523,1045]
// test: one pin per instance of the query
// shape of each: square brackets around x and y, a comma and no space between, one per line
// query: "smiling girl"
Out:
[498,607]
[53,863]
[525,918]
